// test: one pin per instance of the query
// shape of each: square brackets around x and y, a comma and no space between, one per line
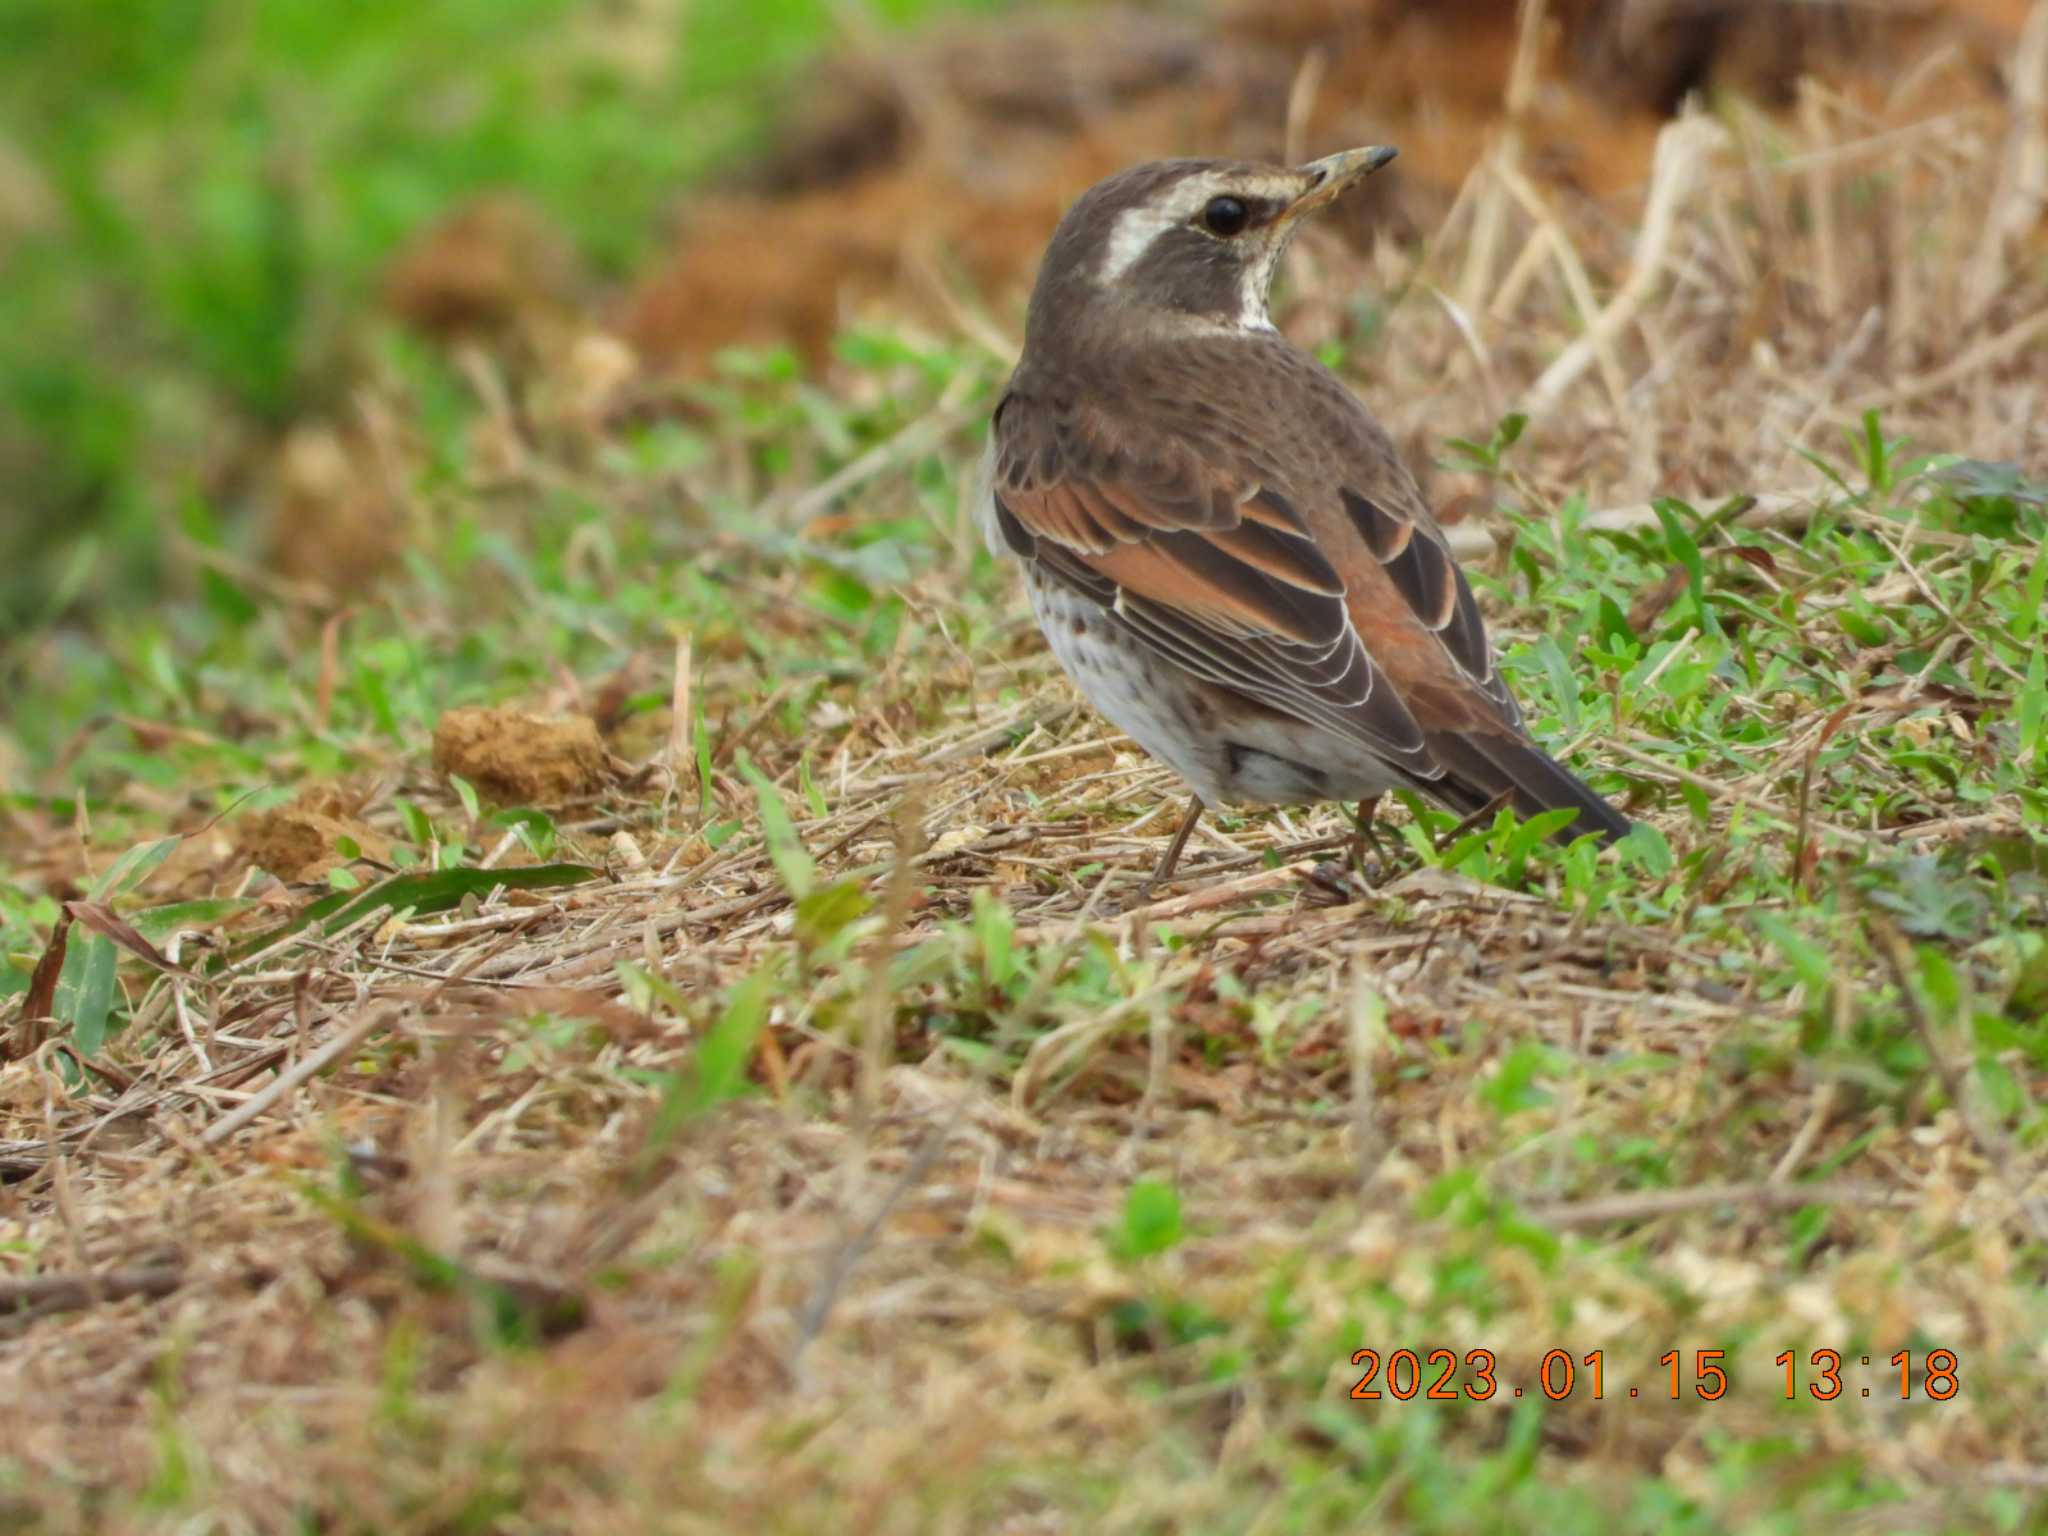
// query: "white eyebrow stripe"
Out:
[1135,230]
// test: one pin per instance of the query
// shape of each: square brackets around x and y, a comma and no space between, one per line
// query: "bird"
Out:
[1221,545]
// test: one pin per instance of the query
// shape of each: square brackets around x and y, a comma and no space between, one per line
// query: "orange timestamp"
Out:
[1442,1375]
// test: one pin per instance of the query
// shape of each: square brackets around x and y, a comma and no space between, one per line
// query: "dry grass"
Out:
[449,1223]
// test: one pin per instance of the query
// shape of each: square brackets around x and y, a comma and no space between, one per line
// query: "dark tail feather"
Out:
[1478,767]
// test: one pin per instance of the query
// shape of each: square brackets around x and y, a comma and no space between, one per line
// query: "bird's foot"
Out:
[1338,885]
[1365,840]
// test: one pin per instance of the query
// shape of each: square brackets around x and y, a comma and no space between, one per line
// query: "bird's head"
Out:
[1187,245]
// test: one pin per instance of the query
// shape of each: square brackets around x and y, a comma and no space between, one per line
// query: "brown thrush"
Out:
[1222,546]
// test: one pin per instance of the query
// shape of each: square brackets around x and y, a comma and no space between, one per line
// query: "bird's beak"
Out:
[1334,175]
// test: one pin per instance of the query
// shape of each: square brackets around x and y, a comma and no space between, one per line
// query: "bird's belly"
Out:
[1148,699]
[1188,724]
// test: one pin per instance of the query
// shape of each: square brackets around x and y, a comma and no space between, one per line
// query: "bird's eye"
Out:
[1225,216]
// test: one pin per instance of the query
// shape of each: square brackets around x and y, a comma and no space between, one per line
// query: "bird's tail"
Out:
[1480,766]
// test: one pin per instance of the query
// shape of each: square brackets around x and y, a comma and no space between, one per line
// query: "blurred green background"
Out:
[197,198]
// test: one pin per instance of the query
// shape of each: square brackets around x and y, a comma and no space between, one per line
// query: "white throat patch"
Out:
[1258,284]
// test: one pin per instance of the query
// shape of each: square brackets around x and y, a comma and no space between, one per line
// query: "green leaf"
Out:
[1941,982]
[2029,617]
[1486,457]
[1524,840]
[466,793]
[1813,965]
[1424,824]
[994,927]
[431,891]
[157,924]
[1860,627]
[535,829]
[1465,847]
[1685,550]
[1564,688]
[228,601]
[721,1066]
[509,1316]
[85,989]
[1514,1086]
[827,911]
[1992,480]
[643,989]
[132,868]
[1614,627]
[718,1073]
[814,797]
[1152,1220]
[1647,846]
[1468,455]
[1928,899]
[1876,453]
[792,861]
[701,737]
[2030,710]
[415,821]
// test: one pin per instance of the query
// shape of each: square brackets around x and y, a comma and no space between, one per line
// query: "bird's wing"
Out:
[1473,727]
[1383,505]
[1360,623]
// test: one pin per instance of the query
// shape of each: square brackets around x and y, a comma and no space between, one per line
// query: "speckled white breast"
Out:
[1148,699]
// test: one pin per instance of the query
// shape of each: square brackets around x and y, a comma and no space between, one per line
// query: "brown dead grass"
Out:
[878,1298]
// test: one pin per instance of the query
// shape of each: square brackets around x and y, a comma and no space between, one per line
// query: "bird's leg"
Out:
[1366,834]
[1173,849]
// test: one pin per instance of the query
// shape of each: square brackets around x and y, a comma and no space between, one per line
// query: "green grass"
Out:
[810,1191]
[208,193]
[1736,897]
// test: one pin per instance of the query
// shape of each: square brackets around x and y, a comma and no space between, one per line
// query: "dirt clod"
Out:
[304,840]
[329,517]
[519,758]
[487,267]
